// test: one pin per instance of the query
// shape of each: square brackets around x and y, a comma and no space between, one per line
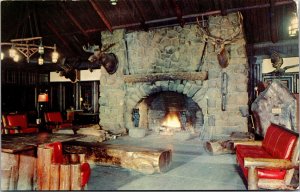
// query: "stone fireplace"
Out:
[160,72]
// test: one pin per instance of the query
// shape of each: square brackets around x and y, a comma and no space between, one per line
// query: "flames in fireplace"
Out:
[171,120]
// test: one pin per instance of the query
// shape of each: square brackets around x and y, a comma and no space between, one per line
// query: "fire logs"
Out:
[144,160]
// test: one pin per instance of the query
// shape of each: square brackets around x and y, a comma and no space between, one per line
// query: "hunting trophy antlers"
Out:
[69,71]
[220,43]
[108,60]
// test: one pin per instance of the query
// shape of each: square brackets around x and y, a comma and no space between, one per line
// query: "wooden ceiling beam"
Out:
[273,26]
[53,29]
[215,12]
[74,20]
[223,7]
[178,11]
[101,14]
[141,16]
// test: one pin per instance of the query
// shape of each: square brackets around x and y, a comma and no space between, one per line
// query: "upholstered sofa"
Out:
[269,163]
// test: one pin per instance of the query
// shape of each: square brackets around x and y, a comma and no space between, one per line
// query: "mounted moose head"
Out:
[108,60]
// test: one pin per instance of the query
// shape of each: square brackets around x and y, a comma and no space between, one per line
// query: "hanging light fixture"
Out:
[28,48]
[41,49]
[113,2]
[54,55]
[16,58]
[12,52]
[40,60]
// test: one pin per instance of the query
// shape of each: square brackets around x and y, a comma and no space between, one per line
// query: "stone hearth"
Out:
[168,60]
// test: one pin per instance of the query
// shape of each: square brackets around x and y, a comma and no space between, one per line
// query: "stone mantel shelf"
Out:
[192,76]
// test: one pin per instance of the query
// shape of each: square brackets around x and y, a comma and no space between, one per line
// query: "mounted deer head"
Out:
[220,43]
[108,60]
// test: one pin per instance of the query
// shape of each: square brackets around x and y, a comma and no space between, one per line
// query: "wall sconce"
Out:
[293,27]
[2,55]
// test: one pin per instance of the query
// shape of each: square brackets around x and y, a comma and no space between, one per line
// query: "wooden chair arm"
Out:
[252,143]
[268,163]
[6,129]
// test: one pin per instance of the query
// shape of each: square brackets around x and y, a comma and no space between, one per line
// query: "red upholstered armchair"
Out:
[64,159]
[19,120]
[54,120]
[269,164]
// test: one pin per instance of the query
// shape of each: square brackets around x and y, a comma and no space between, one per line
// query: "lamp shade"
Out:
[43,97]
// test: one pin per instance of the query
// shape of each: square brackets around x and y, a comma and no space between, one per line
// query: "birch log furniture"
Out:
[141,159]
[19,158]
[57,171]
[270,164]
[218,147]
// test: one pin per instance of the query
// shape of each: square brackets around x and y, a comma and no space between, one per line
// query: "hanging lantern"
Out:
[41,48]
[16,57]
[40,60]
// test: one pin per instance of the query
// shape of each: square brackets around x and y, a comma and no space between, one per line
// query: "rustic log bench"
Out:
[144,160]
[19,155]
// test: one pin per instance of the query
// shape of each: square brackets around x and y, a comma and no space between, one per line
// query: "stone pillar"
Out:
[112,92]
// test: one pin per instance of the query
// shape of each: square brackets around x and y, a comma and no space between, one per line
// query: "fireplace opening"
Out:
[168,112]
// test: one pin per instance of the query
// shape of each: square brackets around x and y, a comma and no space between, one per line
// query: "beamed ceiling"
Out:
[72,24]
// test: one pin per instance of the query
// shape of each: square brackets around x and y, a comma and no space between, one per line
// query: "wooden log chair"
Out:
[17,123]
[54,120]
[269,164]
[58,171]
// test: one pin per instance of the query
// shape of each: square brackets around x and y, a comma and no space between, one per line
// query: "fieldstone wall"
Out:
[176,49]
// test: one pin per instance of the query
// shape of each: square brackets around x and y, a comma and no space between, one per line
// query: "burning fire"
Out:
[171,120]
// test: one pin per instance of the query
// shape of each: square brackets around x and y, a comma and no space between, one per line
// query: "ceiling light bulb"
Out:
[113,2]
[40,60]
[16,58]
[12,52]
[2,55]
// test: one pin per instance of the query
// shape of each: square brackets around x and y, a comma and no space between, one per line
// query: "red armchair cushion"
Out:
[243,151]
[21,121]
[54,117]
[278,143]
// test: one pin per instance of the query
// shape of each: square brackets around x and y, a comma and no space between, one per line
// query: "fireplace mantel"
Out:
[192,76]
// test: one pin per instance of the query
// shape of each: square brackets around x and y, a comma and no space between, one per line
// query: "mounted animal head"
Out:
[69,71]
[108,60]
[219,42]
